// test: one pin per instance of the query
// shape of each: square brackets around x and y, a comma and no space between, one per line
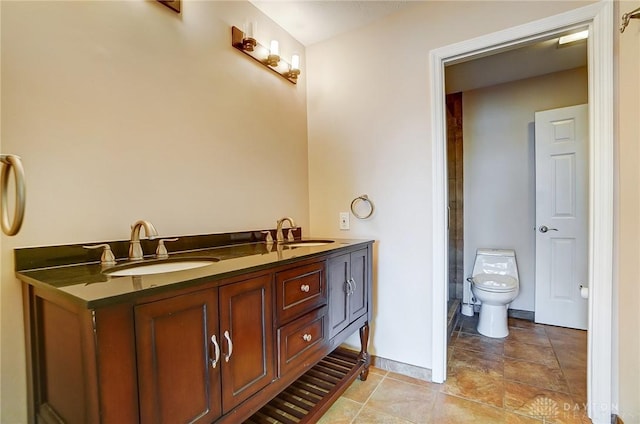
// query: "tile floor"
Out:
[536,374]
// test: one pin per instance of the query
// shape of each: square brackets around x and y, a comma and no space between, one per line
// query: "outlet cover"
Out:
[344,220]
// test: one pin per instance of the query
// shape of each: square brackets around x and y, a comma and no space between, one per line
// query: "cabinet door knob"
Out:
[305,288]
[216,348]
[307,337]
[228,355]
[353,288]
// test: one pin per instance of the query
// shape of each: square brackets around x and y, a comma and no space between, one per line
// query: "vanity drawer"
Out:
[300,343]
[300,290]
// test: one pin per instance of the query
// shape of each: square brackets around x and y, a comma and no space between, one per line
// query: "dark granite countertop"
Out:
[86,284]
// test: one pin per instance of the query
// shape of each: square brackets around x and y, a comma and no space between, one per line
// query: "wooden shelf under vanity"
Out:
[309,397]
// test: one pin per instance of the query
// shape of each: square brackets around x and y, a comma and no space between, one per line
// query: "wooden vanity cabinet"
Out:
[184,351]
[212,353]
[177,381]
[348,289]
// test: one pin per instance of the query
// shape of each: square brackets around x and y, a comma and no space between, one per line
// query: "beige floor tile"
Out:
[513,418]
[486,363]
[399,399]
[531,352]
[372,416]
[377,371]
[360,391]
[343,411]
[412,380]
[516,380]
[479,343]
[527,336]
[454,410]
[561,333]
[538,375]
[476,386]
[522,323]
[577,381]
[540,403]
[570,352]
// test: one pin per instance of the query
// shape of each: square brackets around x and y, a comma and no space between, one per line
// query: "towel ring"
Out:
[12,162]
[363,198]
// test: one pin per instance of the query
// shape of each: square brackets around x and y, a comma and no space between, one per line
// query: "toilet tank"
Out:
[496,261]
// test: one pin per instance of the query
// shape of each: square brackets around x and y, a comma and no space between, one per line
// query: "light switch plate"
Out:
[344,220]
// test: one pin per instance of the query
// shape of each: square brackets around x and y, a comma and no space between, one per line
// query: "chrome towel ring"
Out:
[364,198]
[12,162]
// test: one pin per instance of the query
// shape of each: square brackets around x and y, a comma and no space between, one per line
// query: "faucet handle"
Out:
[161,251]
[107,257]
[290,235]
[268,238]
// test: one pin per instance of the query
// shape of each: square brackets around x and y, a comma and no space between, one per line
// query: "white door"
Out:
[561,142]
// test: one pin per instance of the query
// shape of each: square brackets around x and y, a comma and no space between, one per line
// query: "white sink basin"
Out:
[157,267]
[307,243]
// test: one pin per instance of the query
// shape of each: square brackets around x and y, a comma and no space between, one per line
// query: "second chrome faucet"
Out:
[135,250]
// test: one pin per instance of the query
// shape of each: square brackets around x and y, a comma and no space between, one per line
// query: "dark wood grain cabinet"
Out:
[214,352]
[177,379]
[186,345]
[348,289]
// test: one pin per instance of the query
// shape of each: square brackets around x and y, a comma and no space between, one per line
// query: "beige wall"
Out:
[370,131]
[627,257]
[127,110]
[499,166]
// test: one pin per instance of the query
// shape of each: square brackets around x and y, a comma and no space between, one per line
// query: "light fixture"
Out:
[274,54]
[269,57]
[576,36]
[248,40]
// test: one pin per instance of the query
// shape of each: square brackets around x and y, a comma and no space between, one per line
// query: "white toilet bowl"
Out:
[495,284]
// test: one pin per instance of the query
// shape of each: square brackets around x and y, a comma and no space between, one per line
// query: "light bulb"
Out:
[275,48]
[295,62]
[251,29]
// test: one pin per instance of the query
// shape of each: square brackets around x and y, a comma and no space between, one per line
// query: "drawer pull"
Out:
[307,337]
[228,356]
[305,288]
[216,347]
[349,288]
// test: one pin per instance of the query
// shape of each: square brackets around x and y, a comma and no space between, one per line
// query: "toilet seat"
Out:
[495,283]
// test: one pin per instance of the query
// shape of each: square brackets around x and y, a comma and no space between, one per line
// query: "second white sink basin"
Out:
[157,267]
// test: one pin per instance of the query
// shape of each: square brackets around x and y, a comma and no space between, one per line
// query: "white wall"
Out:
[499,166]
[369,132]
[123,110]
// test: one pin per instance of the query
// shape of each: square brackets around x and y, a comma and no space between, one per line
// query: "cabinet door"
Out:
[247,342]
[337,275]
[176,380]
[358,300]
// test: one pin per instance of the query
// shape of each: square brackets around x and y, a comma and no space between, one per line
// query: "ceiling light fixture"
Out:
[269,57]
[576,36]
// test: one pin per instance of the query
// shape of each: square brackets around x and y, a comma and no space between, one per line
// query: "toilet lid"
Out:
[495,282]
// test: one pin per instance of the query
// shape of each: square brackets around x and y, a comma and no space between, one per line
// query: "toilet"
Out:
[495,283]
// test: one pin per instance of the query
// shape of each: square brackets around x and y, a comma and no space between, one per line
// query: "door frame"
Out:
[598,17]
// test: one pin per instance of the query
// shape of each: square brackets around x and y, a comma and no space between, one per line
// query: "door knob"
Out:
[544,229]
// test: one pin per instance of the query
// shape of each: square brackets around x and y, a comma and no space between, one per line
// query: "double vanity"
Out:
[229,328]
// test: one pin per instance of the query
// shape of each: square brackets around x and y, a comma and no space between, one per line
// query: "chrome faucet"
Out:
[279,235]
[135,250]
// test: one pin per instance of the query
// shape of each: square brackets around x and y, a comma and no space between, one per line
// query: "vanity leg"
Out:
[364,354]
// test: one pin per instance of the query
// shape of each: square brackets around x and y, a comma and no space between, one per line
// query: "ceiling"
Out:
[311,22]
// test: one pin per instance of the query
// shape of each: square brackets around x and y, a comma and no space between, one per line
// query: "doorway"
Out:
[599,19]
